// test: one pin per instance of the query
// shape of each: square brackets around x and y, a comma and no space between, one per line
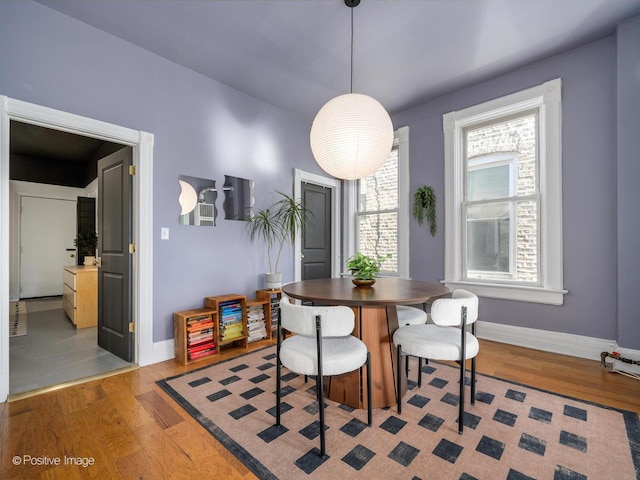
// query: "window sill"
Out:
[517,293]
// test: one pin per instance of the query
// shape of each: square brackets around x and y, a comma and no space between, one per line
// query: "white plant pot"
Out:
[272,280]
[88,260]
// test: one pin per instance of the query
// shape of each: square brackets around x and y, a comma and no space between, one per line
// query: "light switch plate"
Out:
[164,233]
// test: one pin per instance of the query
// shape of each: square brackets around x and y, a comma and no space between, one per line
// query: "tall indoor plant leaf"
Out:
[277,226]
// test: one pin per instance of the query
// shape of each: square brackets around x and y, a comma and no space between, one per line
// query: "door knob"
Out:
[301,256]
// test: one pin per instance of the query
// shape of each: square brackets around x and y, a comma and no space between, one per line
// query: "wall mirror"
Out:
[197,201]
[238,198]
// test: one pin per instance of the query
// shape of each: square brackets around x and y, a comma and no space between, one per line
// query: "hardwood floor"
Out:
[132,430]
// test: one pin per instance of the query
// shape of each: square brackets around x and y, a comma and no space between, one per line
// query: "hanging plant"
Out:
[424,207]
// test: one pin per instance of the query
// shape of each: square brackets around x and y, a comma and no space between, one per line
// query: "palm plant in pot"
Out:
[365,268]
[277,226]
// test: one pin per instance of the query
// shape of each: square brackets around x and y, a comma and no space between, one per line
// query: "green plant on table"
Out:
[364,267]
[86,242]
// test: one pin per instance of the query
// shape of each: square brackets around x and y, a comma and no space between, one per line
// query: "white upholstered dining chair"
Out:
[321,345]
[410,315]
[447,338]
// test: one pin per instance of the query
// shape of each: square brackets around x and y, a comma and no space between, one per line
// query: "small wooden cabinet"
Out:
[80,295]
[195,335]
[232,318]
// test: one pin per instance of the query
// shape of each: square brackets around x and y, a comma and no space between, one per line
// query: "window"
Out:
[378,209]
[503,215]
[377,215]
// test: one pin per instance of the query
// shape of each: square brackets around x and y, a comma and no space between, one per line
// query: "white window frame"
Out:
[488,161]
[401,138]
[547,99]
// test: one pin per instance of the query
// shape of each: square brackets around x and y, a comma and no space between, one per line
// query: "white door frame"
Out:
[142,143]
[334,184]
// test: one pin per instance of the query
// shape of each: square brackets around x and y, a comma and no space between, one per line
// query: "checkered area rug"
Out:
[512,432]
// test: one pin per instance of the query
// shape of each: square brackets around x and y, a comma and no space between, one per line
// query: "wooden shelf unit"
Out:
[228,308]
[272,296]
[263,306]
[195,319]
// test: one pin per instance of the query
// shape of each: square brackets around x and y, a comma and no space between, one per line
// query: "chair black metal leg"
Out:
[319,386]
[463,365]
[278,381]
[278,392]
[406,367]
[473,381]
[398,380]
[419,372]
[461,405]
[369,413]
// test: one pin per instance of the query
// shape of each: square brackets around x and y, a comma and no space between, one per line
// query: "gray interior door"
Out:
[316,237]
[114,238]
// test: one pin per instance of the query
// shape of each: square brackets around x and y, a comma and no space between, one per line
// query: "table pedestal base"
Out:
[375,327]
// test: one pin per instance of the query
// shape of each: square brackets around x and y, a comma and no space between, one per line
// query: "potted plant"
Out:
[276,226]
[86,243]
[424,207]
[365,268]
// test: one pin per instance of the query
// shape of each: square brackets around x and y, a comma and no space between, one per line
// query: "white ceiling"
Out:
[295,54]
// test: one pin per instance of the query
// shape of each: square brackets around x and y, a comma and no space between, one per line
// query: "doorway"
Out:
[59,342]
[327,197]
[142,143]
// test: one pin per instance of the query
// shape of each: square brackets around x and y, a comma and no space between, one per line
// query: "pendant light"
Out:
[352,134]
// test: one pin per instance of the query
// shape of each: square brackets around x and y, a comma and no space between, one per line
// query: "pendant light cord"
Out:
[351,88]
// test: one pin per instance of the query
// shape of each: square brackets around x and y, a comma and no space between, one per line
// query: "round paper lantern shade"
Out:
[351,136]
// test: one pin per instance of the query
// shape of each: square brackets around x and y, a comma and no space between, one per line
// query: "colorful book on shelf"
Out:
[199,318]
[233,321]
[231,328]
[202,353]
[198,340]
[199,327]
[192,353]
[231,305]
[200,333]
[231,335]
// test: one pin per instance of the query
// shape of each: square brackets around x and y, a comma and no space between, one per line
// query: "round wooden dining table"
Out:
[376,321]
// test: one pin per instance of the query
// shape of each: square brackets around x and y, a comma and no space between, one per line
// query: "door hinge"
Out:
[132,248]
[132,169]
[132,327]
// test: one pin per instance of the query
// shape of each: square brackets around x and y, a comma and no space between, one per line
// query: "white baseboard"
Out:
[556,342]
[161,351]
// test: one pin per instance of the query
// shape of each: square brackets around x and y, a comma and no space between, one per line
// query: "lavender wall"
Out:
[589,188]
[202,128]
[628,77]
